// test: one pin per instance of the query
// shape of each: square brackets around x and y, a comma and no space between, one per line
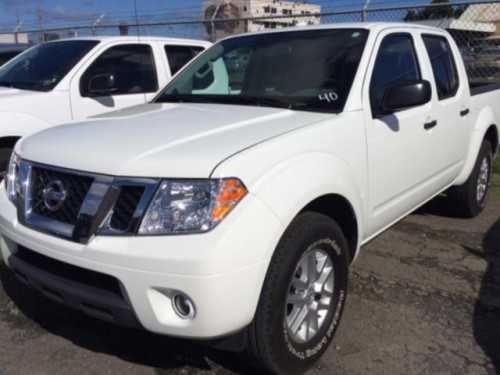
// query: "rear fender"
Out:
[485,120]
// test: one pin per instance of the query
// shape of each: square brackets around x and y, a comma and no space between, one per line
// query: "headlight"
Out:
[190,206]
[11,180]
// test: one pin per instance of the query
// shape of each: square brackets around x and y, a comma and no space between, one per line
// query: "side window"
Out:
[396,63]
[443,65]
[178,56]
[132,67]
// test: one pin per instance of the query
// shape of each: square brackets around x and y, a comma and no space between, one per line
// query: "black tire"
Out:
[274,343]
[469,199]
[4,161]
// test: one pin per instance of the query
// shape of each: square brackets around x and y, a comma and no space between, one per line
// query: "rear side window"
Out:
[443,65]
[132,66]
[178,56]
[396,63]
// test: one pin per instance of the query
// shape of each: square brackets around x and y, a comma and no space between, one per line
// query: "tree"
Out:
[50,36]
[438,9]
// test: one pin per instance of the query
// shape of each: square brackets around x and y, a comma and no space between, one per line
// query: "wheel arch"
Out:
[485,128]
[492,137]
[9,141]
[339,209]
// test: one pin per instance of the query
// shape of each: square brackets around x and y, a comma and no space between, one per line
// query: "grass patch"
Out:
[495,180]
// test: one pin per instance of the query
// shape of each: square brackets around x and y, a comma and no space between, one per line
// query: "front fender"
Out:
[290,185]
[20,125]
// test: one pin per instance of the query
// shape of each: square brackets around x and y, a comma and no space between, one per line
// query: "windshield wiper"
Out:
[7,84]
[223,99]
[20,85]
[258,101]
[175,98]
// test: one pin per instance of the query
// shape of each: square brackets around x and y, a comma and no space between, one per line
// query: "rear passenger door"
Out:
[132,69]
[180,55]
[452,104]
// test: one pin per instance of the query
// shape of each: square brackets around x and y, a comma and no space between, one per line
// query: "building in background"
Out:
[250,15]
[20,38]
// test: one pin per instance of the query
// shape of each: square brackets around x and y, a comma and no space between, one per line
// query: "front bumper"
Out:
[221,271]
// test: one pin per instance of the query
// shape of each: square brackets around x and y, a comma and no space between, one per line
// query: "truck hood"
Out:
[27,102]
[8,92]
[162,140]
[5,91]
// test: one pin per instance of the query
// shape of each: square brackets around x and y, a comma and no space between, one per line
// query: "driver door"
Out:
[132,70]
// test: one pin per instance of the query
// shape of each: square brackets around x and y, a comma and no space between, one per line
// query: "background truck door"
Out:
[122,76]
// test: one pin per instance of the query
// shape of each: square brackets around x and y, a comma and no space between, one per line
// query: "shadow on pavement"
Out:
[486,320]
[131,345]
[439,206]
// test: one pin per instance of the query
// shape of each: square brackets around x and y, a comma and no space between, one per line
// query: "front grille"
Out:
[78,205]
[125,206]
[76,187]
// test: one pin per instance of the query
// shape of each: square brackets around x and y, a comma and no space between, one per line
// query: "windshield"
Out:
[43,66]
[309,70]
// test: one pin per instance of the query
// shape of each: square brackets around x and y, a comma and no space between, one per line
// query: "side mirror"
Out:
[406,95]
[102,84]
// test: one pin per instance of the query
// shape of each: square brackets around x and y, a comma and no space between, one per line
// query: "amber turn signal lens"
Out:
[231,191]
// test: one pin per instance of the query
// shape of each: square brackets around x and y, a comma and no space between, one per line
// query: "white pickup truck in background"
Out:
[230,207]
[69,80]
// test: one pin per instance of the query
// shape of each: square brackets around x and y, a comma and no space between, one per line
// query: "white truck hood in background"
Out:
[161,140]
[7,93]
[52,107]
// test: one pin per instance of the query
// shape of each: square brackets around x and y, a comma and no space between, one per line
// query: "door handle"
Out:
[430,125]
[464,112]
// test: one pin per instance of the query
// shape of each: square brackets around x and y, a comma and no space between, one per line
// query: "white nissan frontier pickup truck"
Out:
[230,207]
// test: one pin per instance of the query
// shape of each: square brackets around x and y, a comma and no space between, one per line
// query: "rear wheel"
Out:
[302,298]
[469,199]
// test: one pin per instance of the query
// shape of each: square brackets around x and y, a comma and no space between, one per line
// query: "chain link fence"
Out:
[474,25]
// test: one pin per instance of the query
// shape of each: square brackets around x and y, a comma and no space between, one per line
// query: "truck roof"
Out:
[133,38]
[372,26]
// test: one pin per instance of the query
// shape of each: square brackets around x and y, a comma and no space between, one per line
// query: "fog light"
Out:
[183,306]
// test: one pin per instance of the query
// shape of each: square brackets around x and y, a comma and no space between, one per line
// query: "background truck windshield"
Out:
[43,66]
[308,70]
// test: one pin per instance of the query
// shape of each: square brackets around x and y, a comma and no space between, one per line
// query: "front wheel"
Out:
[302,298]
[469,199]
[4,161]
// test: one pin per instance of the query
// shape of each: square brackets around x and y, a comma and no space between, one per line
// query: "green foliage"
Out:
[438,9]
[50,36]
[495,179]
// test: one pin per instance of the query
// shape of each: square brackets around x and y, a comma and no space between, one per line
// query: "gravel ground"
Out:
[424,298]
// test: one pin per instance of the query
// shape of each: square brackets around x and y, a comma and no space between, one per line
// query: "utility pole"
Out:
[18,26]
[96,22]
[364,17]
[42,24]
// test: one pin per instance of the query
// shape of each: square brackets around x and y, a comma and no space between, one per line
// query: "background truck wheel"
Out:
[4,161]
[469,199]
[302,298]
